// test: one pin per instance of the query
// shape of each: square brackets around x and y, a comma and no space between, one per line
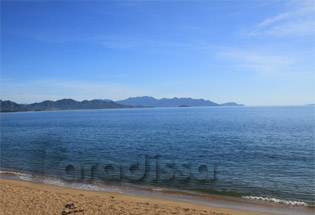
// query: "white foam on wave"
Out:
[275,200]
[158,189]
[4,172]
[21,176]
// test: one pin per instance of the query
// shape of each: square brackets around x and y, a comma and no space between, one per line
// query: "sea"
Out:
[259,153]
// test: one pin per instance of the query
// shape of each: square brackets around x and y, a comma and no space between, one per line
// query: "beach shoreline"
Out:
[27,197]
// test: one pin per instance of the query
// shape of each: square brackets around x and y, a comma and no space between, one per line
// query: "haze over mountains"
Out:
[70,104]
[147,101]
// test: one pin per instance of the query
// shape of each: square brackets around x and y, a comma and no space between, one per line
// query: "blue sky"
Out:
[250,52]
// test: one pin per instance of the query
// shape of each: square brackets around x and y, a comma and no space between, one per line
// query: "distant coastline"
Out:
[148,101]
[133,102]
[63,104]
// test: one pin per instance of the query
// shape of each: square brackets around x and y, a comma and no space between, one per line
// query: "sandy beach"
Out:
[22,197]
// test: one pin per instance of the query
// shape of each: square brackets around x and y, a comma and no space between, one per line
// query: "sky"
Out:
[257,53]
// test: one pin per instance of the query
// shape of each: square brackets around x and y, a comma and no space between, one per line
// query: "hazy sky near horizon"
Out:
[250,52]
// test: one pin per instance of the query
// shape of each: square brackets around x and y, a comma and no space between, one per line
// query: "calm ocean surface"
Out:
[243,151]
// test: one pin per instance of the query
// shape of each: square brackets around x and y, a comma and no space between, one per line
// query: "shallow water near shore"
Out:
[262,153]
[185,196]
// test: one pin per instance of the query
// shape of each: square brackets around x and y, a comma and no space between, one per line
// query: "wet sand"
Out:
[23,197]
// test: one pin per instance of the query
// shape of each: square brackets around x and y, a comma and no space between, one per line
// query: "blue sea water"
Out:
[244,151]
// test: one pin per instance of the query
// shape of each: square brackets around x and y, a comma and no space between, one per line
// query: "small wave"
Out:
[157,190]
[23,176]
[287,202]
[60,182]
[18,174]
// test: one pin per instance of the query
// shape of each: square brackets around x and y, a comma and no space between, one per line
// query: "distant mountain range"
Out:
[70,104]
[63,104]
[147,101]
